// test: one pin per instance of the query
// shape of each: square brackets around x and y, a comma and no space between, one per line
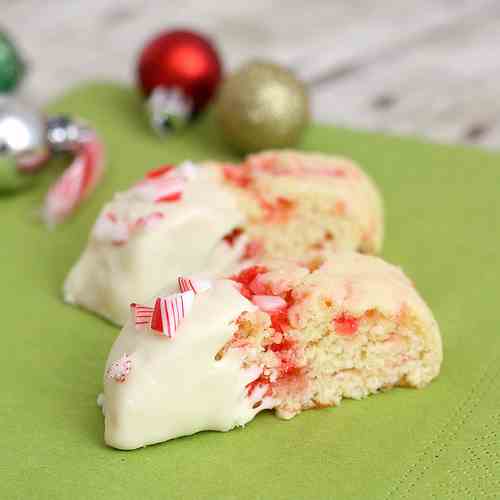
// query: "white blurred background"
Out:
[421,67]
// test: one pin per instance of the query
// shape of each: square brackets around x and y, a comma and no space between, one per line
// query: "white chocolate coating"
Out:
[179,241]
[176,387]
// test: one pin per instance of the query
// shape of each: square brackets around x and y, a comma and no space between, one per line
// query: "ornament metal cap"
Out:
[169,109]
[64,133]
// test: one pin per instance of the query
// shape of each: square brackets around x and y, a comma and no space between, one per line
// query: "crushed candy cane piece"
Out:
[148,220]
[160,171]
[109,228]
[170,311]
[76,183]
[171,190]
[269,303]
[188,170]
[239,175]
[231,237]
[157,189]
[120,369]
[195,285]
[169,197]
[141,315]
[252,250]
[166,183]
[346,325]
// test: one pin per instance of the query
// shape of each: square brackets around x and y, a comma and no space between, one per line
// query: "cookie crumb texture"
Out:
[352,327]
[298,203]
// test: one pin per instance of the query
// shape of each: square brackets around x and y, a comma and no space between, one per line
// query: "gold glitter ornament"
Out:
[262,106]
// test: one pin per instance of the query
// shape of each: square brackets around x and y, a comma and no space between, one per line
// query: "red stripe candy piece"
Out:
[109,228]
[169,197]
[170,311]
[346,325]
[141,315]
[160,189]
[169,190]
[195,285]
[269,303]
[158,172]
[148,220]
[230,238]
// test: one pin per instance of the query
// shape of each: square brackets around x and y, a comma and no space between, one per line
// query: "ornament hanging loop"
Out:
[65,134]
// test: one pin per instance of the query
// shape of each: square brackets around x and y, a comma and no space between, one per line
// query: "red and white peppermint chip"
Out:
[148,220]
[109,228]
[141,315]
[168,190]
[159,189]
[170,311]
[269,303]
[193,284]
[120,369]
[160,171]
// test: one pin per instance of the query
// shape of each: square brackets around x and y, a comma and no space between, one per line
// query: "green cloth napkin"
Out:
[443,217]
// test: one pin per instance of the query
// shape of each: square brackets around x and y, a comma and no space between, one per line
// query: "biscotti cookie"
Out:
[217,217]
[280,336]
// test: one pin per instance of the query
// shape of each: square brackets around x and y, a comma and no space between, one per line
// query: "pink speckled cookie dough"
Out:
[296,203]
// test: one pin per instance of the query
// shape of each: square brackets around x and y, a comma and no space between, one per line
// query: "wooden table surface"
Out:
[420,67]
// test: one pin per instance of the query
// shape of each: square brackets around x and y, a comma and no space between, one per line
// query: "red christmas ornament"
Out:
[178,71]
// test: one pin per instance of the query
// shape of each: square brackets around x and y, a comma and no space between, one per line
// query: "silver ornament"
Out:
[23,143]
[28,138]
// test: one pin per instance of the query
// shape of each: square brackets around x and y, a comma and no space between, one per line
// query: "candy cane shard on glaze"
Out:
[164,318]
[352,327]
[141,315]
[169,311]
[215,219]
[197,285]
